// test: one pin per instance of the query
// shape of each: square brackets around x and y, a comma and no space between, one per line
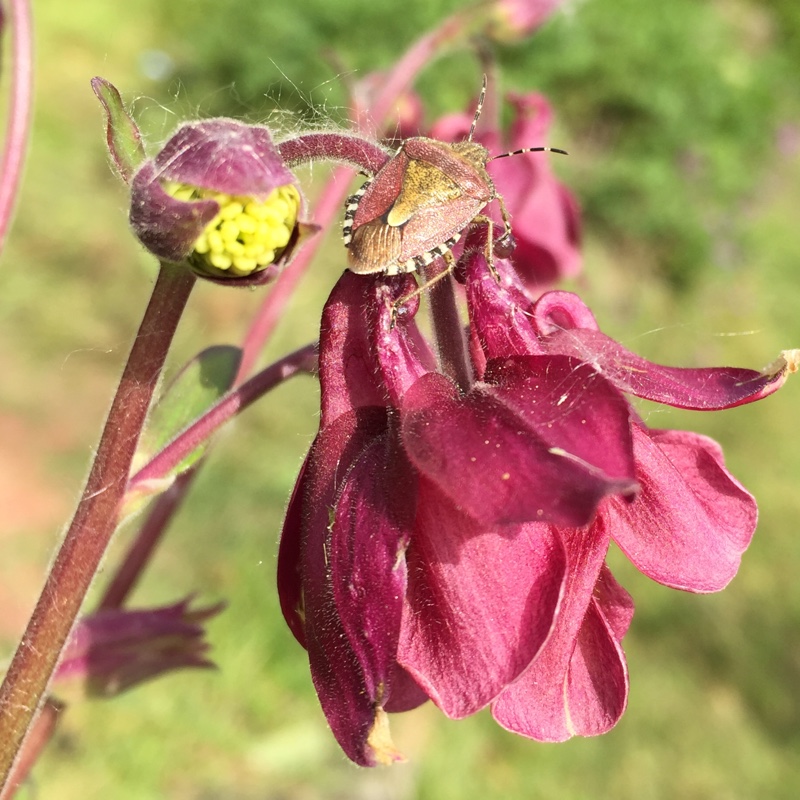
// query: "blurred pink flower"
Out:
[545,216]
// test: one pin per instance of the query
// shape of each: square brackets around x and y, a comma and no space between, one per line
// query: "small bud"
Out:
[115,649]
[219,197]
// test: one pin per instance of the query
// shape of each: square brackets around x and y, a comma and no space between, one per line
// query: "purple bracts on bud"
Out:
[219,195]
[115,649]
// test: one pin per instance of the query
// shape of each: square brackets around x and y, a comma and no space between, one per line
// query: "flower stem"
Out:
[448,332]
[19,114]
[95,518]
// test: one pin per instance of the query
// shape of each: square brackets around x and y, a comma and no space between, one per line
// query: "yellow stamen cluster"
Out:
[246,235]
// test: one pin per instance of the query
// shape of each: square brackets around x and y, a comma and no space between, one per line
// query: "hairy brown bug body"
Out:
[420,203]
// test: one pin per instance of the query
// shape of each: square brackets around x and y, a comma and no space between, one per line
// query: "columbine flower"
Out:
[409,533]
[115,649]
[687,528]
[544,213]
[219,196]
[449,544]
[517,19]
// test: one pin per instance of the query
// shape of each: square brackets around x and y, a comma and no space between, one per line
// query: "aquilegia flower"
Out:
[448,543]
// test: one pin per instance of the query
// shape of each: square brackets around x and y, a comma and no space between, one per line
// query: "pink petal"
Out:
[692,520]
[578,683]
[369,532]
[510,453]
[704,389]
[480,603]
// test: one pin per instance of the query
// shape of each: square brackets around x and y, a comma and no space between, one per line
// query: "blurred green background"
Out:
[683,124]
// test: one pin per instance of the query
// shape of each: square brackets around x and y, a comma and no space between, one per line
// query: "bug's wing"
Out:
[375,247]
[382,191]
[434,226]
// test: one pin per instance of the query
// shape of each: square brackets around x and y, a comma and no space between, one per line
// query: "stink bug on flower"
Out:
[420,203]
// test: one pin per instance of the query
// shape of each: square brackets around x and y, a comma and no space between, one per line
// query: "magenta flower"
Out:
[218,196]
[518,19]
[449,544]
[687,528]
[545,215]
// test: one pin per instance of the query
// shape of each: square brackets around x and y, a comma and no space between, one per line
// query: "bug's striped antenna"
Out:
[531,150]
[478,110]
[477,116]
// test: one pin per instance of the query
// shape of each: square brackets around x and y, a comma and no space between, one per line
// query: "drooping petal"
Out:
[369,532]
[511,453]
[692,520]
[702,389]
[480,603]
[578,683]
[349,690]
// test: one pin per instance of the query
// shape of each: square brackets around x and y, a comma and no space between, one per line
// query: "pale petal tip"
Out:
[789,361]
[783,366]
[380,741]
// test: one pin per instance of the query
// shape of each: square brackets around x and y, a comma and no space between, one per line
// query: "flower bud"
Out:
[219,197]
[115,649]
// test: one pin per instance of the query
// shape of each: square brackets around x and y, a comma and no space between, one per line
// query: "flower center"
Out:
[246,235]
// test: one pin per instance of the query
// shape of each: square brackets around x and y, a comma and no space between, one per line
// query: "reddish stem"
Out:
[147,539]
[19,113]
[95,518]
[41,732]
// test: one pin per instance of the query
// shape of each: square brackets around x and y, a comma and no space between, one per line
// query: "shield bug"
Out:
[421,201]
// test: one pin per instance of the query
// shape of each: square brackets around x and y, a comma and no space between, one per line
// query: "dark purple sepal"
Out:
[226,156]
[504,452]
[167,227]
[481,602]
[578,685]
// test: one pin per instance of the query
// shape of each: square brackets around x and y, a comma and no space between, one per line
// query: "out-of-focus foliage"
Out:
[666,108]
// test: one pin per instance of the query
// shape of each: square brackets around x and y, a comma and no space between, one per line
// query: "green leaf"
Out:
[204,379]
[123,137]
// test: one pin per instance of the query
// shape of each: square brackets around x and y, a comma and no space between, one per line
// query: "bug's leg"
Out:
[450,266]
[505,244]
[489,251]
